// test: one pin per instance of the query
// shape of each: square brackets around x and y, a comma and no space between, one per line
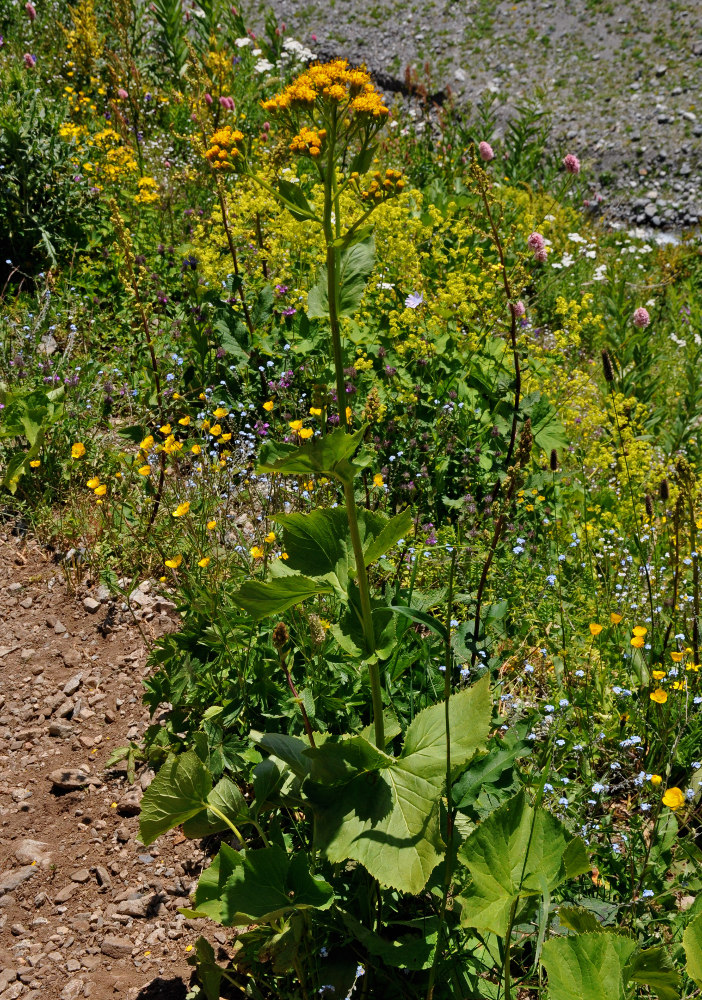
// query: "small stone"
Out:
[81,875]
[72,684]
[103,877]
[116,947]
[30,852]
[65,894]
[73,988]
[60,628]
[130,804]
[61,729]
[91,605]
[13,880]
[70,779]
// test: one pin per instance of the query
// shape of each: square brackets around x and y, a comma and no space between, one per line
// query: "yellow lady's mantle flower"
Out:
[78,450]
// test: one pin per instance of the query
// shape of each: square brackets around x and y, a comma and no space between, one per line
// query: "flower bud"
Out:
[607,368]
[280,635]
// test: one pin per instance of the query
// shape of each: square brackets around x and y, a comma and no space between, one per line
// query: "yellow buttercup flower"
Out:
[144,470]
[196,449]
[268,405]
[656,779]
[637,642]
[295,425]
[35,463]
[615,618]
[205,561]
[639,630]
[174,562]
[674,798]
[315,411]
[378,479]
[658,675]
[147,443]
[181,509]
[595,629]
[211,525]
[184,421]
[165,430]
[78,450]
[92,483]
[256,552]
[676,657]
[220,412]
[306,433]
[100,491]
[216,430]
[659,696]
[226,437]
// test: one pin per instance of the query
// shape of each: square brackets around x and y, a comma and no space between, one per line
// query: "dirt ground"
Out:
[85,910]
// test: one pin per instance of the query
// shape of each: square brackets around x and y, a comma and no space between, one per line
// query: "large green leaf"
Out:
[295,201]
[182,792]
[692,943]
[322,456]
[226,798]
[318,544]
[383,811]
[517,851]
[654,968]
[394,529]
[587,967]
[178,792]
[355,265]
[210,887]
[263,599]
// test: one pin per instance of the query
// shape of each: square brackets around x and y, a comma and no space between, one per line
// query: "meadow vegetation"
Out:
[416,450]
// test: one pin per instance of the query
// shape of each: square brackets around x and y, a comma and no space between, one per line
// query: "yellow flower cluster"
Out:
[148,191]
[308,140]
[332,81]
[223,149]
[381,187]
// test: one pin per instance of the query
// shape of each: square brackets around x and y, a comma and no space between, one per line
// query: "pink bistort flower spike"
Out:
[29,60]
[486,152]
[536,242]
[571,163]
[641,317]
[31,11]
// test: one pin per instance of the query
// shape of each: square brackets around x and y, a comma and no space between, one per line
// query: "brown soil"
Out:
[63,935]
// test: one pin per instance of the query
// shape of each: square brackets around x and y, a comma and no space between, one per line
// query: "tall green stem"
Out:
[330,203]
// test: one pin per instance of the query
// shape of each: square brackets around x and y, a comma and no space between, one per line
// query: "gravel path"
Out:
[621,79]
[85,911]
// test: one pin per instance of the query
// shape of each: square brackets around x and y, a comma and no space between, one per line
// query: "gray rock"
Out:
[103,877]
[28,851]
[81,875]
[13,880]
[91,605]
[61,729]
[70,779]
[65,894]
[116,947]
[72,684]
[72,990]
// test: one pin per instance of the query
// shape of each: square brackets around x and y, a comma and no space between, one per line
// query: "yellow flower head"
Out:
[659,696]
[92,483]
[174,562]
[268,405]
[656,780]
[181,509]
[165,430]
[306,433]
[220,412]
[295,426]
[674,798]
[147,443]
[216,430]
[35,463]
[615,618]
[270,537]
[256,552]
[595,629]
[144,470]
[196,449]
[100,491]
[637,642]
[211,525]
[676,657]
[78,450]
[184,421]
[639,631]
[315,411]
[658,675]
[205,561]
[378,479]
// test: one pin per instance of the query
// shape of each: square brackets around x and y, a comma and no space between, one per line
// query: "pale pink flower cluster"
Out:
[641,317]
[486,152]
[571,163]
[537,244]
